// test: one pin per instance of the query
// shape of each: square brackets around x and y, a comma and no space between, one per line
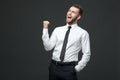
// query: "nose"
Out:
[69,13]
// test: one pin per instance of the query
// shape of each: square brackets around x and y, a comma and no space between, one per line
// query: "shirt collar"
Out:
[72,26]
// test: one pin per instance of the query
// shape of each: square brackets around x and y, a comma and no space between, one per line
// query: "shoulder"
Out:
[59,28]
[83,31]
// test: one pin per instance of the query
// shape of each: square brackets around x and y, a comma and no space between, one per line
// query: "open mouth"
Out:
[69,17]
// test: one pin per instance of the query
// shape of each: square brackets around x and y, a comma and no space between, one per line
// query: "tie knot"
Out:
[69,27]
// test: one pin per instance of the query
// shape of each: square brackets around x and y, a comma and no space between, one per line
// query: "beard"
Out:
[74,20]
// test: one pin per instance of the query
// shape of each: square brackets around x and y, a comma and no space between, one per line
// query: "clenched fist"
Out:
[46,24]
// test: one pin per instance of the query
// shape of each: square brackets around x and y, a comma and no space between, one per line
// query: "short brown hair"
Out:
[79,7]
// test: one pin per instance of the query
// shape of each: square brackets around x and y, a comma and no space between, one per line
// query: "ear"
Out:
[78,17]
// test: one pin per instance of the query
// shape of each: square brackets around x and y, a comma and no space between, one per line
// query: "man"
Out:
[67,41]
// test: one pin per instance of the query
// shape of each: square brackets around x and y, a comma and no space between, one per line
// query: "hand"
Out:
[46,24]
[76,71]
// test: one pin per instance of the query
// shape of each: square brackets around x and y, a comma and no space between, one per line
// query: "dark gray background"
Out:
[22,56]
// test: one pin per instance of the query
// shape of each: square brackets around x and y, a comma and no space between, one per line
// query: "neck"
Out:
[72,23]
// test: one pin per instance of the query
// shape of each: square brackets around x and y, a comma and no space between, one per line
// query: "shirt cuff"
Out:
[45,30]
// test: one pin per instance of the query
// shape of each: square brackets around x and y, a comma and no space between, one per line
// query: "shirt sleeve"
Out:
[86,52]
[49,43]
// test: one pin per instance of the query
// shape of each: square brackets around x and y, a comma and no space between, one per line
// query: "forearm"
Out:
[46,40]
[83,62]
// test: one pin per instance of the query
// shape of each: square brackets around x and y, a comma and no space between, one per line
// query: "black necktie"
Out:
[64,44]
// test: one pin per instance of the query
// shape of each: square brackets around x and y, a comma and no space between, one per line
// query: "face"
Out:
[72,15]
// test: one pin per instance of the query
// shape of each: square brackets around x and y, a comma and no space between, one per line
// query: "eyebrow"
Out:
[72,11]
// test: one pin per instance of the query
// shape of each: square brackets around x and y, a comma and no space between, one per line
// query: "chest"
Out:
[74,36]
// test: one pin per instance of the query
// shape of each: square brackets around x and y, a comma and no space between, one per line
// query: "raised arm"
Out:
[48,42]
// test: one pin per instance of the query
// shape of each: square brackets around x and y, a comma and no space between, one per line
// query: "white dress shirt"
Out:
[78,40]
